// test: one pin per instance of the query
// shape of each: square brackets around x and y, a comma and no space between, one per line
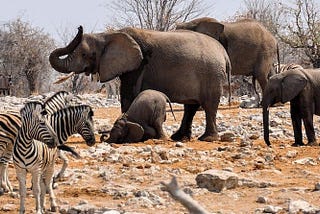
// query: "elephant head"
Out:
[124,131]
[205,25]
[282,88]
[107,54]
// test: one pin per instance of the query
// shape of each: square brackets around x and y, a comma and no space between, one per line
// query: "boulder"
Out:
[217,180]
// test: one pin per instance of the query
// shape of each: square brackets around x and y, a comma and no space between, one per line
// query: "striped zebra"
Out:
[285,67]
[34,151]
[10,123]
[71,120]
[81,115]
[59,100]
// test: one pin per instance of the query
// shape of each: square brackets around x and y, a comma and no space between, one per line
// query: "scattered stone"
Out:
[217,180]
[227,136]
[179,144]
[301,206]
[262,200]
[306,161]
[272,209]
[292,154]
[317,187]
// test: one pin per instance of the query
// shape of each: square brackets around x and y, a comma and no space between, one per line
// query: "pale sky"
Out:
[52,15]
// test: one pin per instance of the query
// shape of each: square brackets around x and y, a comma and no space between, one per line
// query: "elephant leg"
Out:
[296,124]
[308,124]
[159,131]
[184,132]
[149,133]
[211,132]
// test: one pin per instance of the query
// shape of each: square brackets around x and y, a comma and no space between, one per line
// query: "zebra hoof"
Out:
[54,208]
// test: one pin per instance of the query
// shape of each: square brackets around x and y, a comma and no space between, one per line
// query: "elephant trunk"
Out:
[62,65]
[266,123]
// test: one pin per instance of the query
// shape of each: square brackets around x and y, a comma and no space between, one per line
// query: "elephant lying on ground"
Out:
[250,46]
[302,88]
[143,120]
[187,66]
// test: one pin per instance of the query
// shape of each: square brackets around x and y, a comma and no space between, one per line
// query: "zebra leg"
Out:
[47,178]
[2,177]
[21,175]
[36,175]
[5,178]
[65,164]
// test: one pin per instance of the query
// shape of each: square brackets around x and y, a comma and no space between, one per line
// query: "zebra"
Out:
[77,117]
[10,123]
[32,155]
[71,120]
[60,99]
[57,101]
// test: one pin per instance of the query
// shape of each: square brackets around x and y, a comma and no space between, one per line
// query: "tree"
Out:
[156,14]
[302,29]
[23,54]
[296,25]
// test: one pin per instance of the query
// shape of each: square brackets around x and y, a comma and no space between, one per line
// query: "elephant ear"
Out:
[213,29]
[121,54]
[135,132]
[291,86]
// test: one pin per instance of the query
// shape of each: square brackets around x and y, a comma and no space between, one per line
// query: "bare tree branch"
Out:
[193,206]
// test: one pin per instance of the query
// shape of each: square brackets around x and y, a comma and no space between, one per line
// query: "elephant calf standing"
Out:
[143,120]
[302,88]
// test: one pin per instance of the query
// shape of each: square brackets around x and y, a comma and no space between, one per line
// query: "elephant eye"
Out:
[84,55]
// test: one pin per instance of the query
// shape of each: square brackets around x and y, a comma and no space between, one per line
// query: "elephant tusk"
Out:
[63,78]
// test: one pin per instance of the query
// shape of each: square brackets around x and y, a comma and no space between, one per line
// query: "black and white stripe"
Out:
[34,151]
[10,123]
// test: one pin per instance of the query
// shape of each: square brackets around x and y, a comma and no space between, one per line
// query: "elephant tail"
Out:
[228,70]
[278,59]
[167,98]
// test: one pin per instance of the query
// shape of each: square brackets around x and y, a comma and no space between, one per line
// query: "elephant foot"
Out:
[297,144]
[178,136]
[209,138]
[314,143]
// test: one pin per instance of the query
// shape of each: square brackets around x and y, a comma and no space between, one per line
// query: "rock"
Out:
[217,180]
[292,154]
[317,187]
[272,209]
[305,161]
[112,212]
[262,200]
[227,136]
[301,206]
[8,208]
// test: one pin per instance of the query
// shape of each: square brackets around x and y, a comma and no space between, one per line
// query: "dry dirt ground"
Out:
[292,181]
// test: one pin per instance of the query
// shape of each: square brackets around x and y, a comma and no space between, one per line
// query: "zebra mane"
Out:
[31,106]
[56,96]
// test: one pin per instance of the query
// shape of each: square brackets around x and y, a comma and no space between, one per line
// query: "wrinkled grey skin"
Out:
[251,47]
[188,72]
[143,120]
[302,88]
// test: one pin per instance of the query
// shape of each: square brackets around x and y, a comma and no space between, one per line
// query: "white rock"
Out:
[217,180]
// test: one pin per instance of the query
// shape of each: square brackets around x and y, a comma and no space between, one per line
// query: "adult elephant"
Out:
[250,46]
[188,67]
[302,88]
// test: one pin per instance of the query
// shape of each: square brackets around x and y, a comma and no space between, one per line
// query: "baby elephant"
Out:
[143,120]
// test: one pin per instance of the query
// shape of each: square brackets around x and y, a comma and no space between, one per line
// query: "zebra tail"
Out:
[69,149]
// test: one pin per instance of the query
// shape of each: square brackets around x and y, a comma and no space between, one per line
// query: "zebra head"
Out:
[85,125]
[36,126]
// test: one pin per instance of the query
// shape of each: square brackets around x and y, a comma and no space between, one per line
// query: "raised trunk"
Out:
[266,124]
[62,65]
